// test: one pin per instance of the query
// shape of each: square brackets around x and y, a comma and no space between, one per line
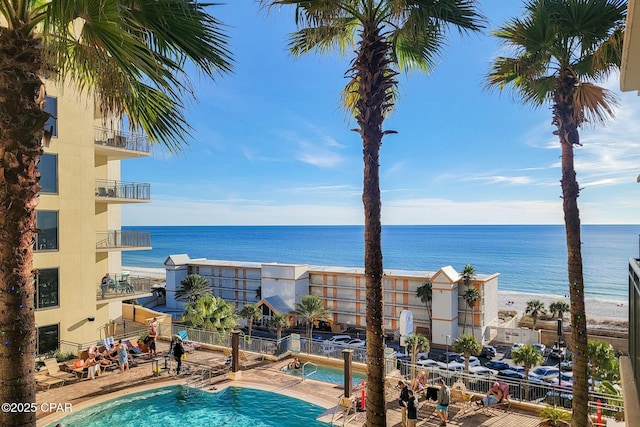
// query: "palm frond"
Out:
[594,103]
[339,36]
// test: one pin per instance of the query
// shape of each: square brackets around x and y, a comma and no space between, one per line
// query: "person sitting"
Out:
[494,395]
[419,383]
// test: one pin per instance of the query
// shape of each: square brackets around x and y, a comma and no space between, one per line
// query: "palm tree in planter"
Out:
[387,36]
[132,57]
[310,308]
[527,356]
[251,313]
[279,322]
[425,293]
[211,313]
[471,297]
[558,308]
[415,344]
[558,49]
[468,346]
[192,288]
[535,308]
[601,358]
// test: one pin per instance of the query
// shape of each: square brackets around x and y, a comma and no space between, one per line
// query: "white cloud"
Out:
[317,155]
[500,179]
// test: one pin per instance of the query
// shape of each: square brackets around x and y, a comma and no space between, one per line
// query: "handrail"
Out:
[309,363]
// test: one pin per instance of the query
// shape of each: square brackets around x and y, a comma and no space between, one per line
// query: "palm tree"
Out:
[387,37]
[130,56]
[601,358]
[527,356]
[535,308]
[192,288]
[468,346]
[416,343]
[471,296]
[278,322]
[425,293]
[559,308]
[560,48]
[251,313]
[310,308]
[210,312]
[468,274]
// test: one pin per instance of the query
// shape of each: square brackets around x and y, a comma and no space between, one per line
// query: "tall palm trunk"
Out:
[21,121]
[567,130]
[375,78]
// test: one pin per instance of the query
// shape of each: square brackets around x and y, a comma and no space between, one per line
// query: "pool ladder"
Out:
[315,369]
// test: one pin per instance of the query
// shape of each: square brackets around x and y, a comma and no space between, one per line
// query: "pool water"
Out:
[326,374]
[174,406]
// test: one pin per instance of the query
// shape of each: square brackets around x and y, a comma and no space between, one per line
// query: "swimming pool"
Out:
[174,406]
[326,374]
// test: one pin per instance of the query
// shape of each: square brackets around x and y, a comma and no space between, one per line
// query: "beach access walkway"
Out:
[258,374]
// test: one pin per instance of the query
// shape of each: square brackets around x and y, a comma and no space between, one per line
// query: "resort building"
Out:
[630,367]
[78,217]
[277,287]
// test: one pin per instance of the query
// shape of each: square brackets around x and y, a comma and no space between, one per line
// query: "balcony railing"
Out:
[123,190]
[123,286]
[123,240]
[121,140]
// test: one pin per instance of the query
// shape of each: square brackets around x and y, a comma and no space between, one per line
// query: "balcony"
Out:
[123,287]
[120,145]
[119,240]
[108,191]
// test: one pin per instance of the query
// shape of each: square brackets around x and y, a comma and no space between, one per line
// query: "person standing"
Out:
[443,402]
[104,284]
[123,357]
[153,333]
[178,351]
[412,409]
[404,400]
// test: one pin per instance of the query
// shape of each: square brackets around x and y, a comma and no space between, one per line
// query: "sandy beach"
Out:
[597,309]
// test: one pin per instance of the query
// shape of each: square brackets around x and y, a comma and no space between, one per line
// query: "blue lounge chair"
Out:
[188,345]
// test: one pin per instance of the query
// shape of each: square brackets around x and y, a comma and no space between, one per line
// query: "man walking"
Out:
[443,402]
[404,400]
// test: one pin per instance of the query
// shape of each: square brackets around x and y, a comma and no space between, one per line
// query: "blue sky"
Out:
[271,145]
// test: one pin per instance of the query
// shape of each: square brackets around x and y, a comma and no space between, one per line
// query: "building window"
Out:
[51,107]
[47,288]
[48,338]
[47,223]
[48,168]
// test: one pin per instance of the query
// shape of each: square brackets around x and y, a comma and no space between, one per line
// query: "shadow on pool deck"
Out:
[262,375]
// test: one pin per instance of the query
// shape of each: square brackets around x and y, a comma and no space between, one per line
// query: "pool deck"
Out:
[258,374]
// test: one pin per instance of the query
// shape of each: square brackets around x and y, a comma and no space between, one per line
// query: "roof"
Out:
[180,259]
[276,304]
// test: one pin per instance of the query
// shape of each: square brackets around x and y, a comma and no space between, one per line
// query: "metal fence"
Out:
[122,190]
[538,392]
[123,239]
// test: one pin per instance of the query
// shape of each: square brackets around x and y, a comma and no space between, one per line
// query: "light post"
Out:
[446,337]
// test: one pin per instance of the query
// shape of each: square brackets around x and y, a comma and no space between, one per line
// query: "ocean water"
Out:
[529,258]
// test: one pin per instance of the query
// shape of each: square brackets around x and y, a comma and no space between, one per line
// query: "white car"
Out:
[482,371]
[356,342]
[338,339]
[474,361]
[452,366]
[428,363]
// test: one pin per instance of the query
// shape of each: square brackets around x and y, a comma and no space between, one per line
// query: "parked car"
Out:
[482,371]
[558,353]
[546,371]
[428,363]
[356,342]
[518,368]
[488,351]
[473,361]
[497,365]
[516,346]
[337,340]
[540,347]
[452,366]
[566,365]
[453,357]
[510,373]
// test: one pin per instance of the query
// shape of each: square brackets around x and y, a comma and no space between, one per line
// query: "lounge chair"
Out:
[188,345]
[53,370]
[45,381]
[461,398]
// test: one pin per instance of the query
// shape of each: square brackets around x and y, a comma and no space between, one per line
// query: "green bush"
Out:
[62,356]
[555,417]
